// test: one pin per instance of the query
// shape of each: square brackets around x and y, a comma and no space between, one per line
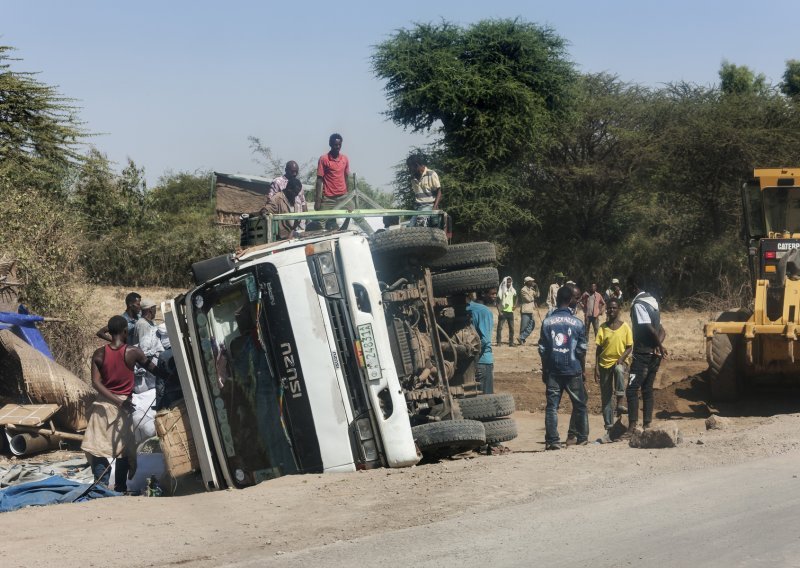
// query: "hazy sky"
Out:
[179,85]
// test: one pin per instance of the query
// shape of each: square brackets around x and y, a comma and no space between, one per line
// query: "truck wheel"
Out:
[462,281]
[487,406]
[422,243]
[466,255]
[438,440]
[724,375]
[501,430]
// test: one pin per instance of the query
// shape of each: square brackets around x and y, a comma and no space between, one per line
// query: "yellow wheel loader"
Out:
[757,343]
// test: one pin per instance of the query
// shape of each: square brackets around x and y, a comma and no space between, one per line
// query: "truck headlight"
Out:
[331,283]
[326,264]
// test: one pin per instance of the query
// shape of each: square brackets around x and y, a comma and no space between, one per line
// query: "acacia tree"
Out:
[791,79]
[740,80]
[494,93]
[585,185]
[40,133]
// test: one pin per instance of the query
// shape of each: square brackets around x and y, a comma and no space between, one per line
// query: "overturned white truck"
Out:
[331,352]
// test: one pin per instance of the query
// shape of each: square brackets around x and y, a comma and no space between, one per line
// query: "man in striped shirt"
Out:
[425,186]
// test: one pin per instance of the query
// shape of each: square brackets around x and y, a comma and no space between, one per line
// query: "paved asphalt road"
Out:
[741,515]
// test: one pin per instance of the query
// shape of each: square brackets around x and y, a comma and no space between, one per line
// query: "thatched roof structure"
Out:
[237,194]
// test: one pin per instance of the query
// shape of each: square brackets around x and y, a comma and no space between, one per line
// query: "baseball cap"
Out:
[529,279]
[147,303]
[615,280]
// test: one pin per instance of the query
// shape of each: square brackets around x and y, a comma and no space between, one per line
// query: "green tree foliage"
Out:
[740,80]
[791,79]
[615,178]
[494,93]
[106,200]
[176,193]
[40,133]
[175,230]
[46,239]
[584,188]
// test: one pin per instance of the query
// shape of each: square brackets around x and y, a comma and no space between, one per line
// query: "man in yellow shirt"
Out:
[614,344]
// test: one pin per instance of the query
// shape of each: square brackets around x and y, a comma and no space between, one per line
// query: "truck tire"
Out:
[739,314]
[501,430]
[724,374]
[463,281]
[423,243]
[205,270]
[466,255]
[487,406]
[449,437]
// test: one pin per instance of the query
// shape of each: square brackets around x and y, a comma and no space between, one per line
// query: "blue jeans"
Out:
[526,326]
[612,382]
[579,421]
[102,473]
[484,374]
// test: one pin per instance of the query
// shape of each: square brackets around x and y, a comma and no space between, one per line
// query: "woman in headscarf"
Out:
[506,300]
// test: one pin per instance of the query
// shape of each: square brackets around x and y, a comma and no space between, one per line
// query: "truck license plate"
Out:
[370,351]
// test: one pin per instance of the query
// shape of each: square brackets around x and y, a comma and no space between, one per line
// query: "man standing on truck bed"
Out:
[279,184]
[332,171]
[284,202]
[425,186]
[647,353]
[109,433]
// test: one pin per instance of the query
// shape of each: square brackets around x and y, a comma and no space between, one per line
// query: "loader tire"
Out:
[466,255]
[421,243]
[724,374]
[447,438]
[487,406]
[463,281]
[500,430]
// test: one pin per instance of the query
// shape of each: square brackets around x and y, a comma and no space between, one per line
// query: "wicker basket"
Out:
[177,443]
[27,375]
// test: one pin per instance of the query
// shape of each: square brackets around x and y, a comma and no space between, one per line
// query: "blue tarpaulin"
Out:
[24,327]
[49,492]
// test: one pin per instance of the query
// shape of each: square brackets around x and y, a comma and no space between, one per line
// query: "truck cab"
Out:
[286,365]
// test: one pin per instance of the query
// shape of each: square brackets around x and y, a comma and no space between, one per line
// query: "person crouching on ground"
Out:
[109,433]
[562,347]
[614,343]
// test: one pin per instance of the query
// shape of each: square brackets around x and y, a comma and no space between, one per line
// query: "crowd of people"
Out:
[136,361]
[627,357]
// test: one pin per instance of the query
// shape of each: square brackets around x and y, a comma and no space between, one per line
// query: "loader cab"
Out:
[771,202]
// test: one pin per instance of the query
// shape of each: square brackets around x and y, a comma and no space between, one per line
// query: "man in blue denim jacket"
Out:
[562,347]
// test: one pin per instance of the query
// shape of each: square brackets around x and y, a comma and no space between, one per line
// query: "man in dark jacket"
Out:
[562,347]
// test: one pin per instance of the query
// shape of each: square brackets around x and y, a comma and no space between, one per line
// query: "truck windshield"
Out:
[781,209]
[245,390]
